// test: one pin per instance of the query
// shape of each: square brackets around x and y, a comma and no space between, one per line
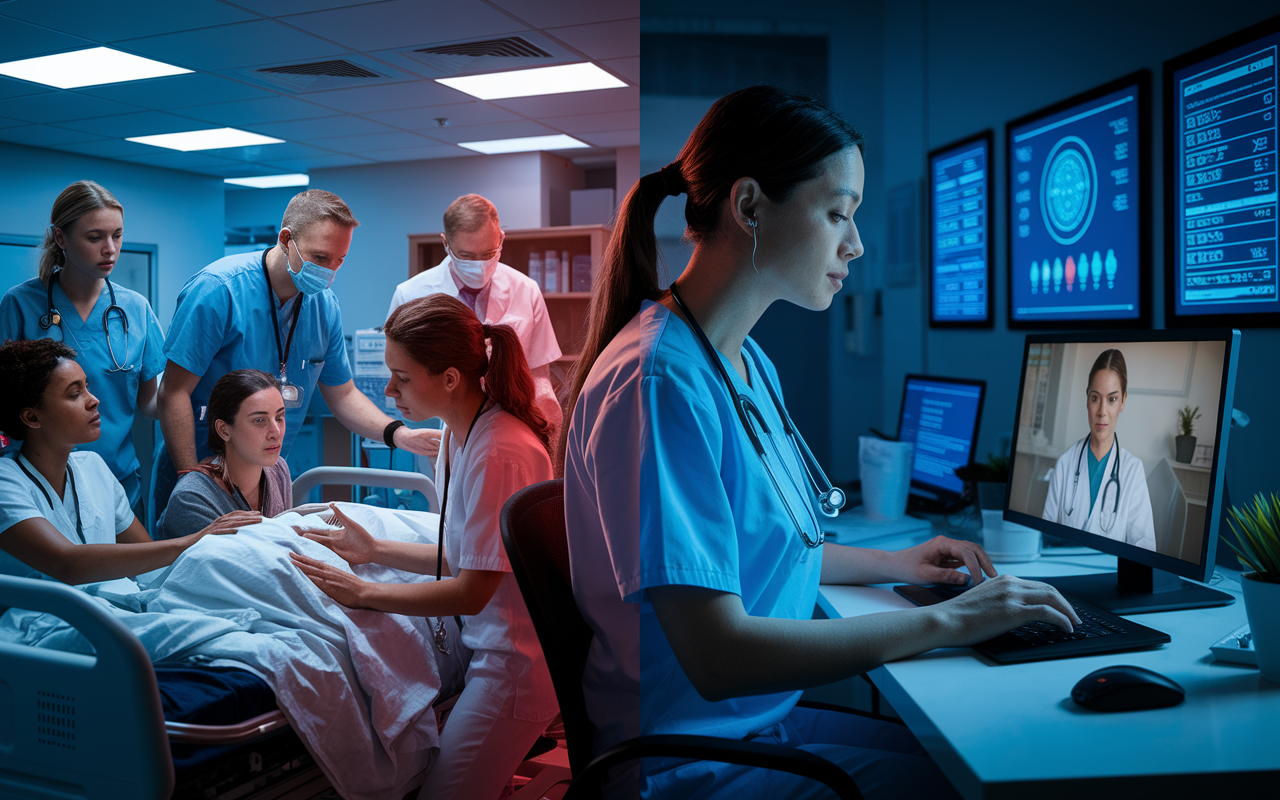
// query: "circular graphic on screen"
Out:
[1068,190]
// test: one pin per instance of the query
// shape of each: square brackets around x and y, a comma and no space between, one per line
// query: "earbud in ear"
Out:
[753,223]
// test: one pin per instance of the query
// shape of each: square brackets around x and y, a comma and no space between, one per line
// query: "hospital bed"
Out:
[77,726]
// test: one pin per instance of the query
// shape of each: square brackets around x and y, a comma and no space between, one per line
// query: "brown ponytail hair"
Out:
[439,331]
[775,136]
[78,199]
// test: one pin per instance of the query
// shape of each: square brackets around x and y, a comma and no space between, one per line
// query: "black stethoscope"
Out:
[75,496]
[54,317]
[830,499]
[1114,479]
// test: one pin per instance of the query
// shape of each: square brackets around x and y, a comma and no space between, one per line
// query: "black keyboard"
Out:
[1099,631]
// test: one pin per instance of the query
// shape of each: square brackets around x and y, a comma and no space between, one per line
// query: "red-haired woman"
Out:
[496,442]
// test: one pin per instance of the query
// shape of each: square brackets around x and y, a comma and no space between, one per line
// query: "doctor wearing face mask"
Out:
[498,294]
[272,311]
[1098,486]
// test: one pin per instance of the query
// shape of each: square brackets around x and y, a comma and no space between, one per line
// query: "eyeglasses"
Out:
[478,256]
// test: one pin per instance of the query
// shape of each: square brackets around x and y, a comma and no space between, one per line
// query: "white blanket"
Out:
[356,685]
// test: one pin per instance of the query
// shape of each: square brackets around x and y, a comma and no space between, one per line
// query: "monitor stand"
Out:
[1139,589]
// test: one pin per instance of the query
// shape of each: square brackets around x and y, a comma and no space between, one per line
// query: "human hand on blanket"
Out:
[342,586]
[231,522]
[351,541]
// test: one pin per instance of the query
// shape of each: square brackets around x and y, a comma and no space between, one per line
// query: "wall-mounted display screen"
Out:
[960,252]
[1079,210]
[1221,108]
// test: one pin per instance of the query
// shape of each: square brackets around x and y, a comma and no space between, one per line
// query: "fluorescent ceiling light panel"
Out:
[525,144]
[583,77]
[271,181]
[212,139]
[92,67]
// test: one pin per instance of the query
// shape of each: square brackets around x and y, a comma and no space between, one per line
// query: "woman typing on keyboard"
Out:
[692,505]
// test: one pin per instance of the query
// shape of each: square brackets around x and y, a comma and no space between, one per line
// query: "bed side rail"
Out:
[77,726]
[364,476]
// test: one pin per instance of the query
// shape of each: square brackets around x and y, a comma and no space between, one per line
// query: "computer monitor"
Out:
[1221,110]
[1085,392]
[940,416]
[1079,211]
[960,252]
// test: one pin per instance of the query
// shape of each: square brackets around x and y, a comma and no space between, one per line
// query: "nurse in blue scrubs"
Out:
[114,331]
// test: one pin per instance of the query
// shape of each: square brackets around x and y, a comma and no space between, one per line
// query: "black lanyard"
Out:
[440,636]
[75,497]
[275,323]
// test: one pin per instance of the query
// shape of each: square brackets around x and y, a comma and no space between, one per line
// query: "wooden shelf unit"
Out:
[567,310]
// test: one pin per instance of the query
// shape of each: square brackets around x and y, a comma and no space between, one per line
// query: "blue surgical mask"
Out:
[312,278]
[474,274]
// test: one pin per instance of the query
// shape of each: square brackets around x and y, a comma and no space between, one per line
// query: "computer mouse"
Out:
[1126,688]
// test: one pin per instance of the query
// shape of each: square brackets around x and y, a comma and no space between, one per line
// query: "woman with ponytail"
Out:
[694,536]
[496,442]
[113,330]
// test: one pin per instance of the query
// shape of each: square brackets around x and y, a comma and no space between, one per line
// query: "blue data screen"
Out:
[940,418]
[1225,183]
[960,193]
[1074,222]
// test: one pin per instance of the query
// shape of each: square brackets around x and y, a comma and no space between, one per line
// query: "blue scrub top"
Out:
[702,511]
[20,313]
[223,323]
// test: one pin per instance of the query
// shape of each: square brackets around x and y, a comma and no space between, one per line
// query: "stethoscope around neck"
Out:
[1103,523]
[830,499]
[54,317]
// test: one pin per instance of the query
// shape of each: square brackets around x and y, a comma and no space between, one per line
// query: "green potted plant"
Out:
[1185,442]
[1257,532]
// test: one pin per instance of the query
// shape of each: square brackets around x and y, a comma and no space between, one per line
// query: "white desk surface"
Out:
[1013,731]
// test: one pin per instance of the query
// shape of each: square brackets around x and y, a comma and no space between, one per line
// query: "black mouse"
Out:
[1126,688]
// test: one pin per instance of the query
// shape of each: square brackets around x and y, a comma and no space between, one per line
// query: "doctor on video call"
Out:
[1112,500]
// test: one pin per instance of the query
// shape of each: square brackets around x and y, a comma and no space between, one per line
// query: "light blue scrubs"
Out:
[663,488]
[223,323]
[20,313]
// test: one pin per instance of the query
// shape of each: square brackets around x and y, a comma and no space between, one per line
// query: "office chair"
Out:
[533,533]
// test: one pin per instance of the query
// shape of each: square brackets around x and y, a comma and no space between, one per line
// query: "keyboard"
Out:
[1100,631]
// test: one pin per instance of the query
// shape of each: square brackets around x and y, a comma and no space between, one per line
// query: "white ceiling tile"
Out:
[143,123]
[573,103]
[62,105]
[245,44]
[420,153]
[602,39]
[627,69]
[608,121]
[484,133]
[268,152]
[177,91]
[388,97]
[423,119]
[612,138]
[11,87]
[44,135]
[401,23]
[252,112]
[92,20]
[21,40]
[274,8]
[373,141]
[544,14]
[10,123]
[305,129]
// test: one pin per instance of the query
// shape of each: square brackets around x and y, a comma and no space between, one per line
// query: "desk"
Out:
[1013,731]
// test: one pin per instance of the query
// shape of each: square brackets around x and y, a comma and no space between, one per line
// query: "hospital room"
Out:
[398,405]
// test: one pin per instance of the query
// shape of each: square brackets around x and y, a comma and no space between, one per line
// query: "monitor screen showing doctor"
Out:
[1096,440]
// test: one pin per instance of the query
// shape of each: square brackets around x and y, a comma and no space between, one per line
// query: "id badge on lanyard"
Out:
[292,394]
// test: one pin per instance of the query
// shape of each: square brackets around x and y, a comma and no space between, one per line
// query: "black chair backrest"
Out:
[533,532]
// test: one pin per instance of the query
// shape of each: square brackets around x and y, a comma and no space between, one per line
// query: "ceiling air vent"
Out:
[317,75]
[511,51]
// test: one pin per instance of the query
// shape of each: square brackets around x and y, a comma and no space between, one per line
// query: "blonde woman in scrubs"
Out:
[113,330]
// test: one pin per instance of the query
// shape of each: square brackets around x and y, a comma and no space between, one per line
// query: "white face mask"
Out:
[474,274]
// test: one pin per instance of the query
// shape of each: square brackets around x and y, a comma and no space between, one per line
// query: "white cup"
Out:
[886,476]
[1007,542]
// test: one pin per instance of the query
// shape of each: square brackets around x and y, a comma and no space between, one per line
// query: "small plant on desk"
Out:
[1257,542]
[1185,441]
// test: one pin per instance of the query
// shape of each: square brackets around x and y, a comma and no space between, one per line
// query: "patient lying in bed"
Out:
[357,686]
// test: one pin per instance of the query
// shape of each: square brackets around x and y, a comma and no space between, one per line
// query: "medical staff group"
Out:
[692,505]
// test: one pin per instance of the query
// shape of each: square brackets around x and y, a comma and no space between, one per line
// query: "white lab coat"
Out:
[1133,523]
